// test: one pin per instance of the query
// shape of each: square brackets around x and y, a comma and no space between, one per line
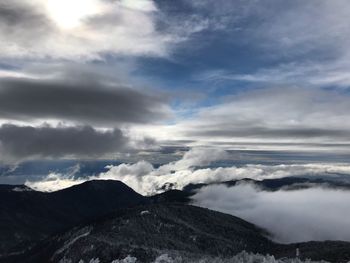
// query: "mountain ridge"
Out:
[147,231]
[38,219]
[33,215]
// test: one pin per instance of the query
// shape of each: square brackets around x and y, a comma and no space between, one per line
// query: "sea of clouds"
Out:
[290,216]
[317,213]
[193,167]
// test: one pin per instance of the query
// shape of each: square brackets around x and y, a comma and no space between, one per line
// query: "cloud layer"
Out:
[276,72]
[26,142]
[86,100]
[194,167]
[291,216]
[310,51]
[272,115]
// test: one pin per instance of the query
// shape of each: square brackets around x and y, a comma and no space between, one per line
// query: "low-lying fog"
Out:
[291,216]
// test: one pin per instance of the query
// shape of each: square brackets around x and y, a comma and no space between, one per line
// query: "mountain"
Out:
[108,220]
[172,196]
[286,183]
[148,231]
[27,216]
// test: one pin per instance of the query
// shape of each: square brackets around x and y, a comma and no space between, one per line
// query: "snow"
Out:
[71,242]
[166,259]
[128,259]
[22,189]
[242,257]
[146,212]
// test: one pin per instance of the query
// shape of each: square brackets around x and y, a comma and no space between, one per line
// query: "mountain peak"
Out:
[101,185]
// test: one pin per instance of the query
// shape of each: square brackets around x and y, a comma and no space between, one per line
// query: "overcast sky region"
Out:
[239,74]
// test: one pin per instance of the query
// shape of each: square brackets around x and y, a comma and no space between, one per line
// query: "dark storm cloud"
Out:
[23,23]
[20,15]
[24,142]
[82,101]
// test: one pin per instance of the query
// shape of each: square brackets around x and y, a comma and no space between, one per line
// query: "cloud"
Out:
[308,74]
[272,115]
[142,175]
[83,99]
[16,14]
[327,29]
[81,30]
[21,26]
[197,157]
[312,50]
[291,216]
[266,118]
[89,30]
[193,167]
[26,142]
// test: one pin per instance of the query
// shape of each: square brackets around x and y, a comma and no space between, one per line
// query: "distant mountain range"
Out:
[285,183]
[108,220]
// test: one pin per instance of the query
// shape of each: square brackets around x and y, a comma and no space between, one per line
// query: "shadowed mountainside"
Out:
[148,231]
[286,183]
[108,220]
[27,216]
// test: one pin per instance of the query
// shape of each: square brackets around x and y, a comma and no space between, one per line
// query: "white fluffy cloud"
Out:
[144,178]
[291,216]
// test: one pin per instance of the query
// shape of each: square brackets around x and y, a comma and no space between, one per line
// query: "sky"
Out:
[101,78]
